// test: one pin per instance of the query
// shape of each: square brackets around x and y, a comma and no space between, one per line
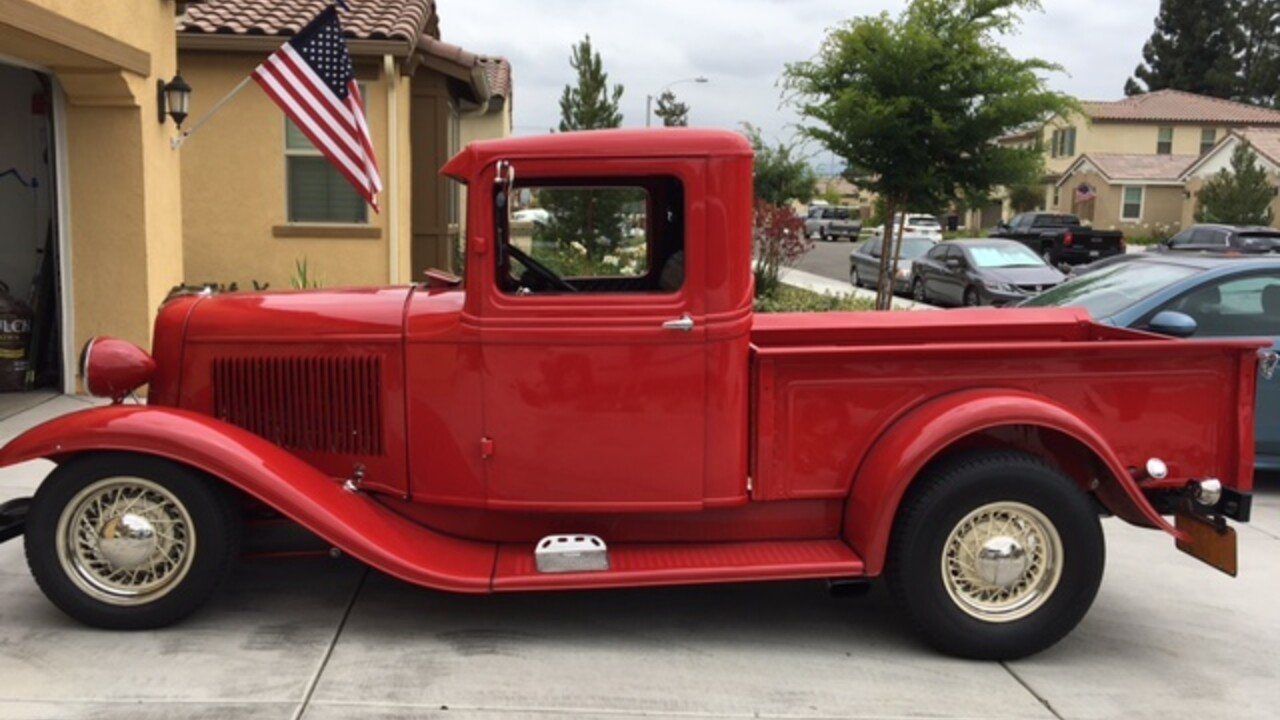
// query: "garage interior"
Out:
[30,336]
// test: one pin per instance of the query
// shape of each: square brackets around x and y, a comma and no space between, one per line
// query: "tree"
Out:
[1193,49]
[1239,196]
[781,175]
[590,218]
[914,105]
[1259,51]
[590,104]
[1025,198]
[673,112]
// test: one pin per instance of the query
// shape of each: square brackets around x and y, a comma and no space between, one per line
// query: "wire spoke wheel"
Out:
[1002,561]
[125,540]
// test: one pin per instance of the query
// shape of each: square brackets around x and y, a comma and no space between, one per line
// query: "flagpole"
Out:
[178,141]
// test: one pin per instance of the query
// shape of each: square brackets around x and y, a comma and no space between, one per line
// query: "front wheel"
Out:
[996,555]
[855,277]
[971,298]
[917,291]
[129,541]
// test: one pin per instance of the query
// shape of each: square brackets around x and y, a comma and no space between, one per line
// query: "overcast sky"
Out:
[741,46]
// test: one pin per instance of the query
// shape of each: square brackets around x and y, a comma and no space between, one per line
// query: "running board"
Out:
[641,564]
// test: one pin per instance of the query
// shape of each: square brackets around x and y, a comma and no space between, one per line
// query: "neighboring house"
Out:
[1265,142]
[1126,191]
[258,197]
[1131,154]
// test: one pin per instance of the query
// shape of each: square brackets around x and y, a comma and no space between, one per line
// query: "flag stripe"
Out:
[370,157]
[338,124]
[315,87]
[311,127]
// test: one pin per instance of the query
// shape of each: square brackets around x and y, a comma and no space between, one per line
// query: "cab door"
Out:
[593,344]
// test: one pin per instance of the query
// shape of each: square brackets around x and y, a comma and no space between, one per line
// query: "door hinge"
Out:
[486,448]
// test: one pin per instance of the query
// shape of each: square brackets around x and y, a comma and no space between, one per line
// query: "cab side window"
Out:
[601,236]
[1182,238]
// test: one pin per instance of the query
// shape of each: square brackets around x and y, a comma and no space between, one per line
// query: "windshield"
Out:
[915,247]
[923,220]
[1003,256]
[1108,291]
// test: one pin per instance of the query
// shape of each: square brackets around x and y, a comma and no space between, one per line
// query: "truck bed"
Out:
[827,386]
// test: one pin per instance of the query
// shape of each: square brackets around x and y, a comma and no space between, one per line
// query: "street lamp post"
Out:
[648,99]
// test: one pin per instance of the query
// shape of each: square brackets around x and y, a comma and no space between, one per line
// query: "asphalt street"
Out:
[321,638]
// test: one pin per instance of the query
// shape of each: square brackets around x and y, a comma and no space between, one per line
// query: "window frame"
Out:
[311,151]
[1212,135]
[1124,202]
[1163,146]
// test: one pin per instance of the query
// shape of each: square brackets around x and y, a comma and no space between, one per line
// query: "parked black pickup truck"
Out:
[1061,239]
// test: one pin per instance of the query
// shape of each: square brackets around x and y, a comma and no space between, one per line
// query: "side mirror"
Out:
[1173,324]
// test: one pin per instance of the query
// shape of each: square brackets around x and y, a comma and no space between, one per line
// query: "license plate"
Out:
[1209,544]
[1095,253]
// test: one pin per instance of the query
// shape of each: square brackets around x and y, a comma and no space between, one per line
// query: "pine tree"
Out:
[589,105]
[1239,196]
[1193,49]
[1259,51]
[592,219]
[673,112]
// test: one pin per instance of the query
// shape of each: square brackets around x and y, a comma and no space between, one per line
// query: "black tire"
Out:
[213,540]
[951,492]
[971,298]
[855,277]
[918,292]
[1046,254]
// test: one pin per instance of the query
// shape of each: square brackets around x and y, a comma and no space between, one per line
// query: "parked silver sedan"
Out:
[864,262]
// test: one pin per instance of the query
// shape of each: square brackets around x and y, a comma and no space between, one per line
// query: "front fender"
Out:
[918,437]
[353,522]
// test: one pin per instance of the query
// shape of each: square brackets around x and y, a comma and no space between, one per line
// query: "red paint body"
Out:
[750,448]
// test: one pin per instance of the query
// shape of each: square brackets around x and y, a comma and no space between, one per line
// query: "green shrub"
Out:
[791,299]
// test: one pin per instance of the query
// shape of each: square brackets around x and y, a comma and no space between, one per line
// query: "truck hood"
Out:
[354,314]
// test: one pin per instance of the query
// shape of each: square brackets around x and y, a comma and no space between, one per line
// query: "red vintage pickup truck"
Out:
[596,406]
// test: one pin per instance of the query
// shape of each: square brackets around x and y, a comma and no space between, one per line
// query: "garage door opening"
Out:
[31,363]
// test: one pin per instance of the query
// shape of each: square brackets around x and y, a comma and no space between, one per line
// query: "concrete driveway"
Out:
[320,639]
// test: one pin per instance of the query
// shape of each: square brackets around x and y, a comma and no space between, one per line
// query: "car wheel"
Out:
[1047,256]
[822,234]
[854,277]
[917,291]
[971,298]
[129,541]
[996,555]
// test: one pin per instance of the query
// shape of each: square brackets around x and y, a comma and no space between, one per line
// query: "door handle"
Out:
[682,324]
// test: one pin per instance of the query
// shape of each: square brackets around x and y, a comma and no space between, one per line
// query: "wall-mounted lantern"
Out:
[174,99]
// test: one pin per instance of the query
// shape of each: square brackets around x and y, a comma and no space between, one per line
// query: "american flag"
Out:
[311,79]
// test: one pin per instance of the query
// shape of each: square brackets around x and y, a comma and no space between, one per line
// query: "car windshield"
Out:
[915,247]
[1002,256]
[923,220]
[1110,290]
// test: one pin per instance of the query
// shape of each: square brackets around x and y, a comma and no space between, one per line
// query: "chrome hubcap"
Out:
[1002,561]
[125,541]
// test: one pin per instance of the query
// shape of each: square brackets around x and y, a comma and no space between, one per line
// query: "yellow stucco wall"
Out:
[1112,137]
[122,177]
[1161,205]
[233,180]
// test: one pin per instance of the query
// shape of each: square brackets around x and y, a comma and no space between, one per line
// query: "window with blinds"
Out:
[315,191]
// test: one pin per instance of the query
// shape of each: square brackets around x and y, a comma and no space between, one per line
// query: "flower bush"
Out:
[779,241]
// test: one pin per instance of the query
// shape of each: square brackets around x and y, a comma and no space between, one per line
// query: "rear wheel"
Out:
[822,235]
[917,290]
[854,276]
[971,298]
[129,541]
[996,555]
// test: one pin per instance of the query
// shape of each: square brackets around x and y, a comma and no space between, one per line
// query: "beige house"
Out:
[1130,153]
[424,99]
[1265,142]
[102,216]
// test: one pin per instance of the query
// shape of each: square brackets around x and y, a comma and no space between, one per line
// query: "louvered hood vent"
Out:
[306,404]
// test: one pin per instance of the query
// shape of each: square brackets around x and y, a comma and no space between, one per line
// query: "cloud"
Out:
[743,46]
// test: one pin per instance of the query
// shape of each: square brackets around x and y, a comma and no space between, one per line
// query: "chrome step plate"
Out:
[571,553]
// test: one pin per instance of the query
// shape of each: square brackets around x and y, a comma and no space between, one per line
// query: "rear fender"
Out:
[353,522]
[921,435]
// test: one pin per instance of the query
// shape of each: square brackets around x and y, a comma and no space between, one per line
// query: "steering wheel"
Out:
[541,270]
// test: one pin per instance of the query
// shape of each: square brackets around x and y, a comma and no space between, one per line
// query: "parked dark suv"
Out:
[1223,239]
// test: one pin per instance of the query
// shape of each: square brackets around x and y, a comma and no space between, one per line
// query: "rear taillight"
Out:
[1068,240]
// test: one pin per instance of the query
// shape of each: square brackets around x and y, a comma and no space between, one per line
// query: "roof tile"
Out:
[1125,166]
[1179,106]
[365,20]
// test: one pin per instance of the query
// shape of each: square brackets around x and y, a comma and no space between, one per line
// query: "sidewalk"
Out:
[822,285]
